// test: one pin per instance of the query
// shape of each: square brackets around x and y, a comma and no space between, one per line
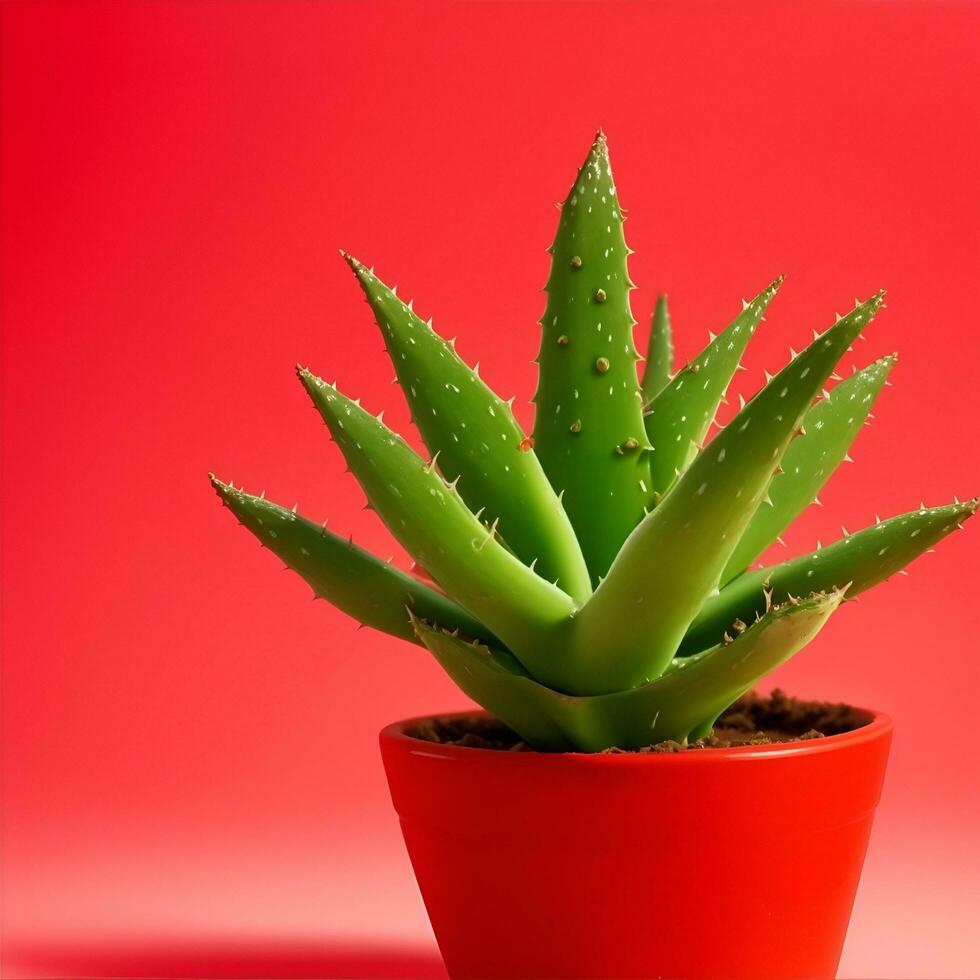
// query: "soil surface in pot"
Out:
[752,720]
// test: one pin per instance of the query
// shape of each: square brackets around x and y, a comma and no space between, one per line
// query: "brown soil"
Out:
[752,720]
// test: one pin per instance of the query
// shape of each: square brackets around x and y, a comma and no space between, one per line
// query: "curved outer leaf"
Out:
[629,630]
[862,559]
[433,524]
[829,429]
[671,707]
[588,427]
[478,441]
[374,592]
[678,419]
[516,699]
[660,352]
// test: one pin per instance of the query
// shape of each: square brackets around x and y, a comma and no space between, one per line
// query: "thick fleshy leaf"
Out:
[432,523]
[588,427]
[660,353]
[830,428]
[862,559]
[677,420]
[478,441]
[684,699]
[629,630]
[373,591]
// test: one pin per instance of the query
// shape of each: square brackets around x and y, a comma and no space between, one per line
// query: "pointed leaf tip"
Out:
[359,268]
[681,413]
[220,487]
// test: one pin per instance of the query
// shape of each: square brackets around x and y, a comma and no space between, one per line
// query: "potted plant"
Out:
[590,589]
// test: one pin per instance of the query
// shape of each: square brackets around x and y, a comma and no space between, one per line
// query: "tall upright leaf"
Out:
[588,428]
[659,366]
[678,419]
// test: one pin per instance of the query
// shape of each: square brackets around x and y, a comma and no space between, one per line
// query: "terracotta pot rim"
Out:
[879,725]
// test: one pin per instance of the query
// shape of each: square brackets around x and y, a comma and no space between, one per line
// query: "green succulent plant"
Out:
[593,583]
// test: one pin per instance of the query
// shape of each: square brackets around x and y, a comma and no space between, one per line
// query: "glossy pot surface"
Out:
[715,863]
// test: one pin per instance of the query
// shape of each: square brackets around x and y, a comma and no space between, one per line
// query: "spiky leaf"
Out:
[830,428]
[478,440]
[630,629]
[678,419]
[588,429]
[660,352]
[671,707]
[515,698]
[432,523]
[864,559]
[373,591]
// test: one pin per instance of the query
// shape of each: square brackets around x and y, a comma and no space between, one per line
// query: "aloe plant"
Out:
[593,582]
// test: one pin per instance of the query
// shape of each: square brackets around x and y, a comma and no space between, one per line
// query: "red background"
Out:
[192,783]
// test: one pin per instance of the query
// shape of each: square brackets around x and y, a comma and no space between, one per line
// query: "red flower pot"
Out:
[716,863]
